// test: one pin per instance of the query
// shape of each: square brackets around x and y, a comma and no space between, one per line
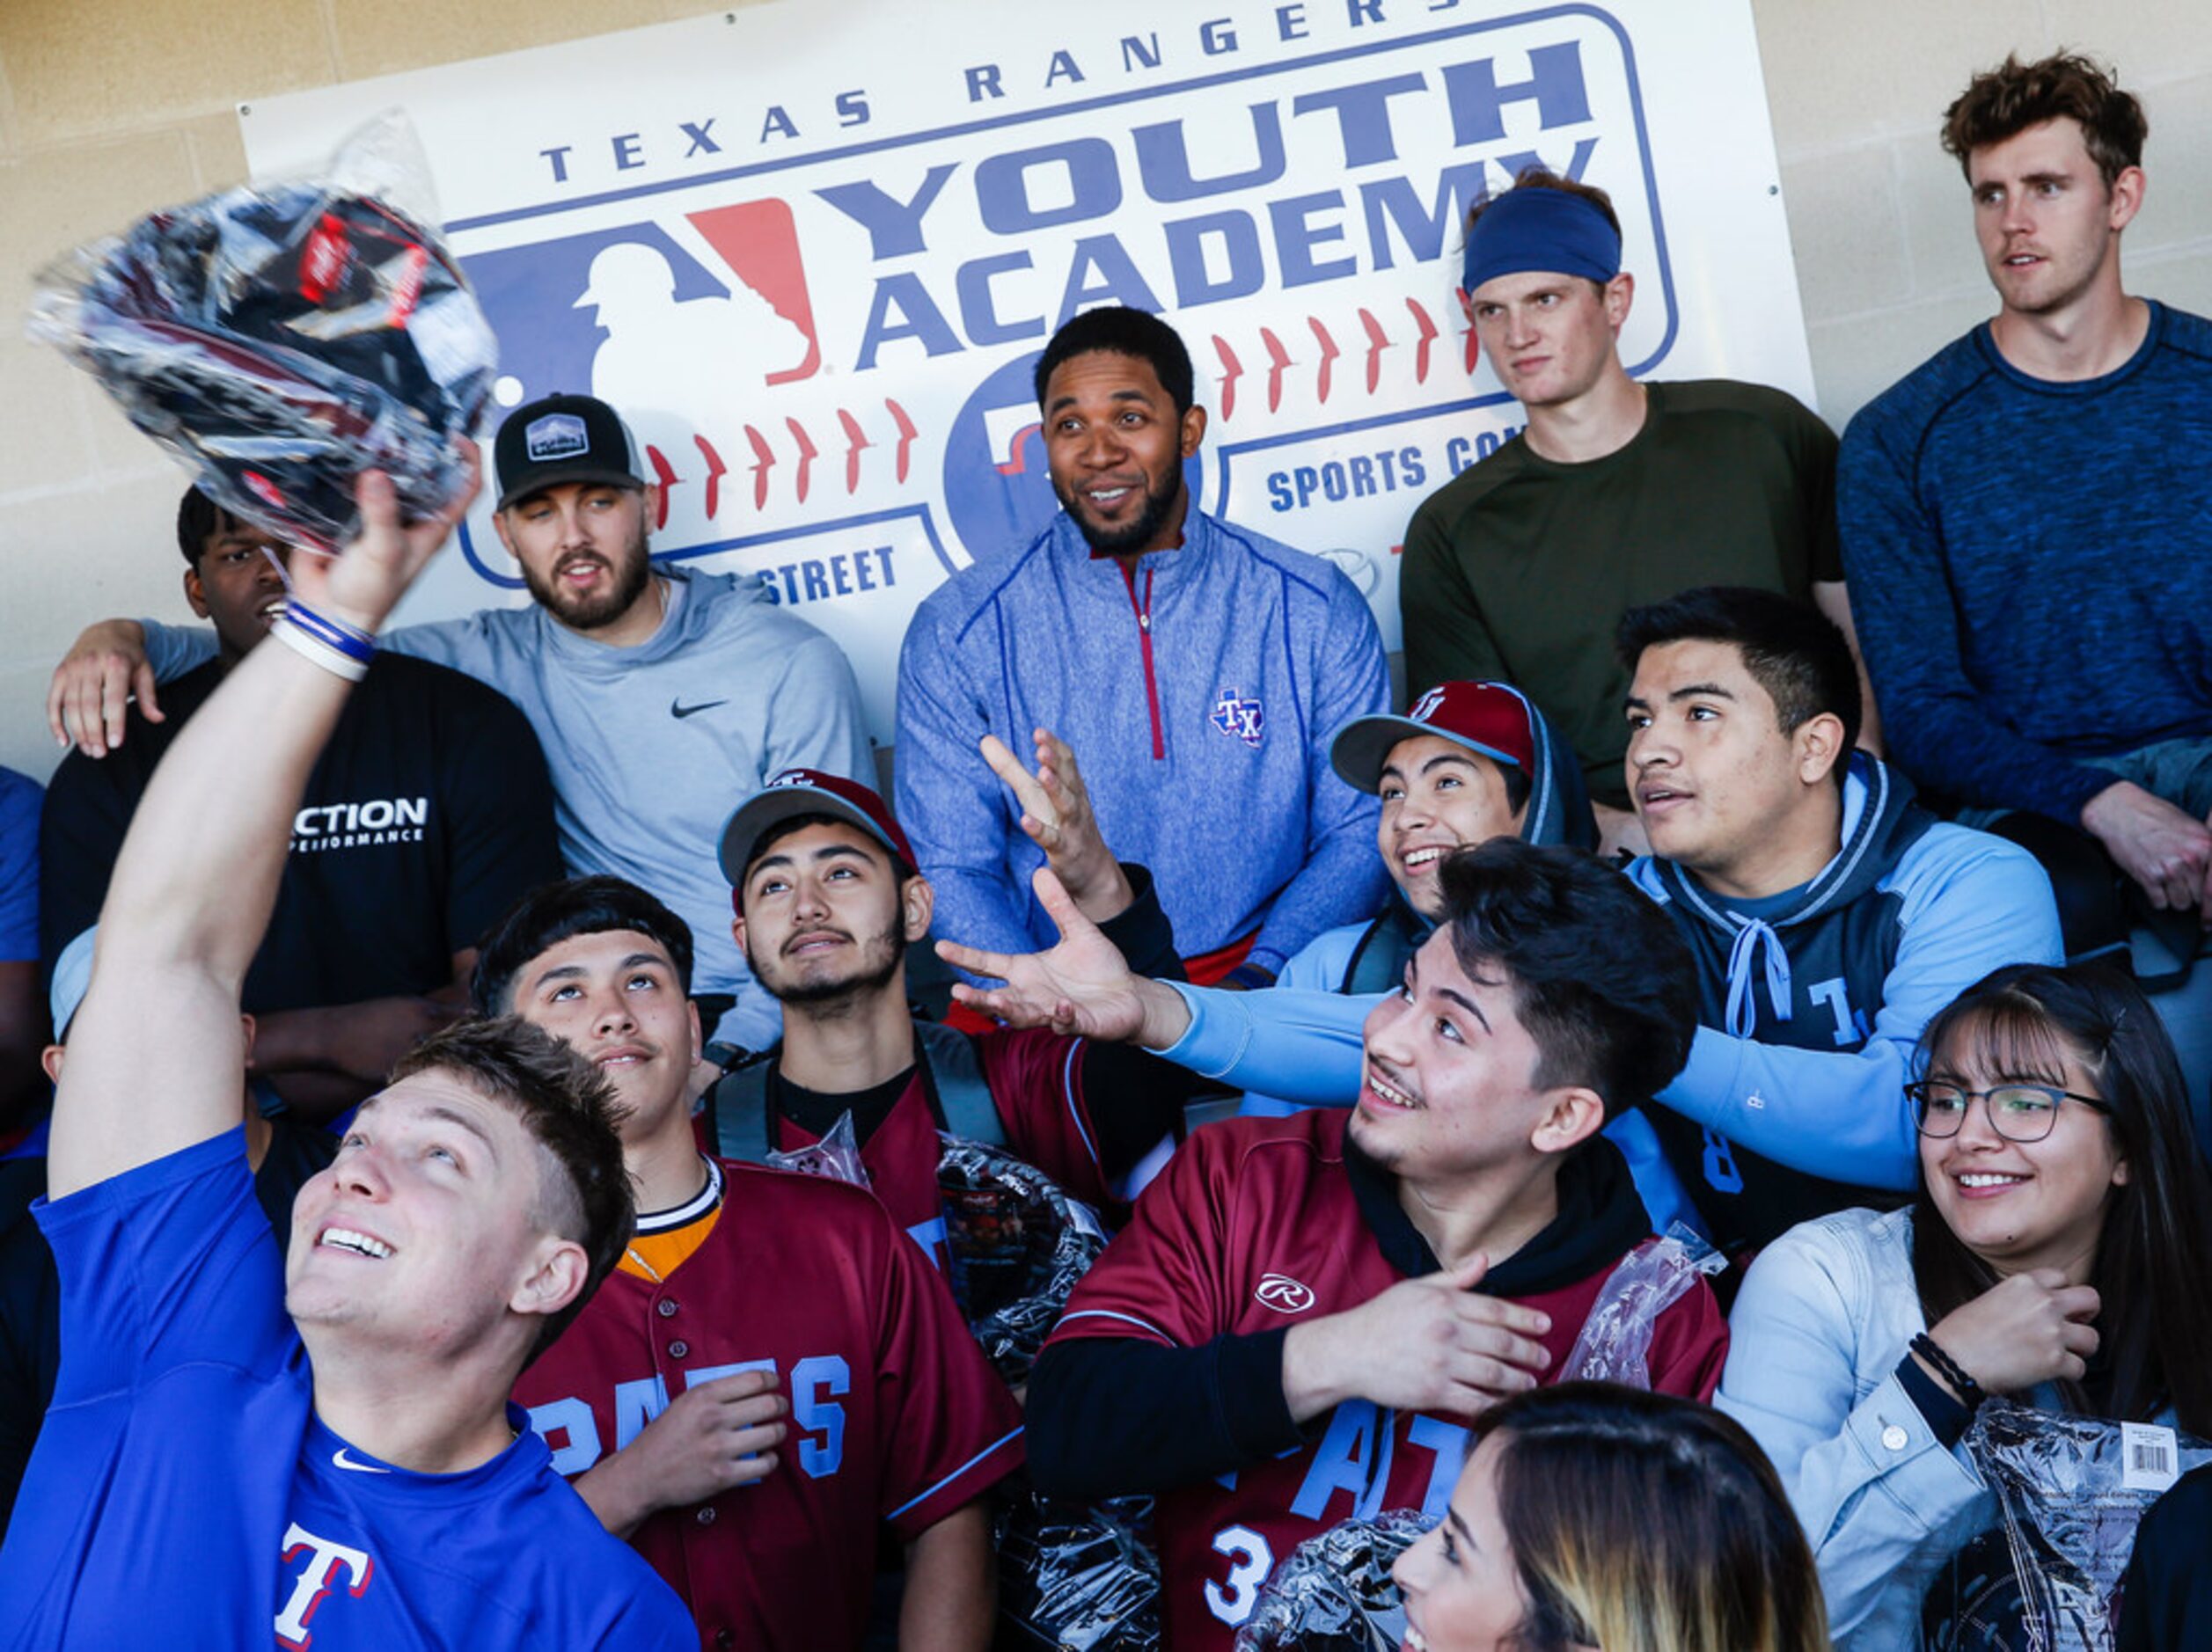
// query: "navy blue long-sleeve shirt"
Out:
[2031,564]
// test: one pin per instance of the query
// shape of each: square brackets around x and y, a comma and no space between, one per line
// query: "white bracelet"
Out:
[312,648]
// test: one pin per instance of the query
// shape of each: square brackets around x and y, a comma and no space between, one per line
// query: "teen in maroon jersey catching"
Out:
[1305,1314]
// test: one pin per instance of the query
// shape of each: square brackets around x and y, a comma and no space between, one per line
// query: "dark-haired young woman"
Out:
[2059,1252]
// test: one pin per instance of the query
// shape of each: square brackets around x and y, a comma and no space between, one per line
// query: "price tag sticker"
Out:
[2150,1458]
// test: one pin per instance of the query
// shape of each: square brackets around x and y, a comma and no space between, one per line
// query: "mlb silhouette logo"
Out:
[678,315]
[1239,718]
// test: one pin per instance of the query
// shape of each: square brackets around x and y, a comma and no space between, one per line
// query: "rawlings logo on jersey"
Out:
[1284,1294]
[1239,718]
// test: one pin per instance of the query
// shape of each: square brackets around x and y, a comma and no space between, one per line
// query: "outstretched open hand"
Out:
[1082,985]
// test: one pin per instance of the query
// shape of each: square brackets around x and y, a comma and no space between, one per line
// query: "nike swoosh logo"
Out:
[338,1459]
[680,711]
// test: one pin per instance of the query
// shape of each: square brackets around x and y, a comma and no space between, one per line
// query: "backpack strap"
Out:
[952,1072]
[952,1079]
[1378,963]
[739,1105]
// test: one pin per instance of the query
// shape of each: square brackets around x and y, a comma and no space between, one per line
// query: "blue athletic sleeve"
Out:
[1971,903]
[1302,1047]
[173,650]
[168,1264]
[952,806]
[1343,878]
[20,798]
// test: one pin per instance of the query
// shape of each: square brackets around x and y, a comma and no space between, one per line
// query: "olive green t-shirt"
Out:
[1519,569]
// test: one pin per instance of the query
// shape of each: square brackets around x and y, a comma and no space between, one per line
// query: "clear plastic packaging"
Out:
[1615,1343]
[1017,1246]
[2071,1493]
[281,338]
[836,1156]
[1076,1578]
[1334,1594]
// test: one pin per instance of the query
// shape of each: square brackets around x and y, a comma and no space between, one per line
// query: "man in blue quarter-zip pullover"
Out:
[1198,667]
[1829,915]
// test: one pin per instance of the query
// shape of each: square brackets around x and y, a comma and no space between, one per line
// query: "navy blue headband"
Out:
[1540,229]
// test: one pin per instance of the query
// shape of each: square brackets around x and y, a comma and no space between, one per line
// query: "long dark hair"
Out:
[2153,1272]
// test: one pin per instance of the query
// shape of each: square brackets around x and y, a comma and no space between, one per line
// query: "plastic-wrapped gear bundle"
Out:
[2071,1493]
[1615,1341]
[1334,1594]
[1078,1579]
[281,339]
[1017,1246]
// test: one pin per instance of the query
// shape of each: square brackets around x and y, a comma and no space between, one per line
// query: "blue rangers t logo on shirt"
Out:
[1236,716]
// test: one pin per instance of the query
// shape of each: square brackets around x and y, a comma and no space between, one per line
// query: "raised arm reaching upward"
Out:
[155,1055]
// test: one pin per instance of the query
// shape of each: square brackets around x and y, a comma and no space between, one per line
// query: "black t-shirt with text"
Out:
[428,813]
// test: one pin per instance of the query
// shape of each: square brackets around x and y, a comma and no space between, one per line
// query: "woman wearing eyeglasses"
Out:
[2059,1252]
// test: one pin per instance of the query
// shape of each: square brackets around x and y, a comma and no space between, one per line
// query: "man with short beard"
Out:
[1200,669]
[659,694]
[827,899]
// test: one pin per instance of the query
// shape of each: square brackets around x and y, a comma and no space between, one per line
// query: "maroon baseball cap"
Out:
[1488,718]
[809,791]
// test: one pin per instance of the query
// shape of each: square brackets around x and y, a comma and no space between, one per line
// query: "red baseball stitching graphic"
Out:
[906,434]
[715,470]
[1378,341]
[855,439]
[1428,337]
[665,473]
[766,456]
[1281,359]
[807,454]
[1328,354]
[1232,370]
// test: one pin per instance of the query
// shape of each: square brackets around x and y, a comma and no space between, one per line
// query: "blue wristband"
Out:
[353,643]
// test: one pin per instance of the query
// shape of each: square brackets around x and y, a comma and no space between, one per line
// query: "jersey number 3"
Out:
[1251,1561]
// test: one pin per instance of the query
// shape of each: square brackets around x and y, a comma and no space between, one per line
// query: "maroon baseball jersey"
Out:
[895,1417]
[1255,1225]
[1035,1079]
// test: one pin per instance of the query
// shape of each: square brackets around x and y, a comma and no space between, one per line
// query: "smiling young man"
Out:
[2036,630]
[827,902]
[1198,667]
[773,1375]
[659,693]
[1629,489]
[1829,915]
[1468,762]
[1305,1313]
[428,813]
[320,1450]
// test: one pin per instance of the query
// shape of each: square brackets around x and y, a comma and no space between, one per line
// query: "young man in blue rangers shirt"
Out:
[320,1454]
[1829,915]
[658,693]
[1198,667]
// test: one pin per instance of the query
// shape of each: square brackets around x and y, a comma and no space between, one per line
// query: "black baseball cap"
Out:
[563,438]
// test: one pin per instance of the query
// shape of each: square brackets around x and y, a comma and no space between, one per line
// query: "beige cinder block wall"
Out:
[108,108]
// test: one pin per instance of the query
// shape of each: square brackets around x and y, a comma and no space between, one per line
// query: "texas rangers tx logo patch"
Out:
[1240,718]
[1284,1294]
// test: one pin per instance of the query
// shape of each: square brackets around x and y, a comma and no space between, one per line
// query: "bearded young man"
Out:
[1200,669]
[658,693]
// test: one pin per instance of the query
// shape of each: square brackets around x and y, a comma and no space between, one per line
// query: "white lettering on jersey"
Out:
[811,1379]
[931,1238]
[572,1418]
[324,1558]
[1251,1561]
